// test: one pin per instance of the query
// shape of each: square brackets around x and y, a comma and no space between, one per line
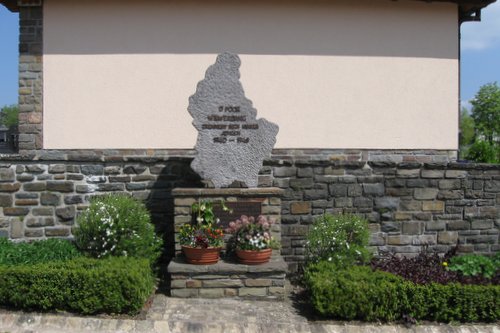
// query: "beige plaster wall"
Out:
[331,74]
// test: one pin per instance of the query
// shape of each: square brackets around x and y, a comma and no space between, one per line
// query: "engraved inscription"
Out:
[232,125]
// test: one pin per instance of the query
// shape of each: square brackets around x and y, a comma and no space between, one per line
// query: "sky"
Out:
[480,54]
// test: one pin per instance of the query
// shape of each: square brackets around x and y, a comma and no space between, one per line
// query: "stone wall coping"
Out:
[226,266]
[160,156]
[245,192]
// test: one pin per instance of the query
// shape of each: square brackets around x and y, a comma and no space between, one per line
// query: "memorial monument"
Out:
[232,143]
[231,146]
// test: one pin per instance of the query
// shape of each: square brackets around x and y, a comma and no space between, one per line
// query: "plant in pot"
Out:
[251,239]
[202,242]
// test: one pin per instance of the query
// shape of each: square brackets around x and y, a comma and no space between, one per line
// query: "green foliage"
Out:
[36,252]
[204,233]
[82,285]
[359,293]
[340,239]
[484,152]
[10,115]
[475,264]
[467,134]
[486,112]
[117,225]
[204,211]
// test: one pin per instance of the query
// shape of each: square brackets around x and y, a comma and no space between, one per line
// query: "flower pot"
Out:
[200,256]
[254,257]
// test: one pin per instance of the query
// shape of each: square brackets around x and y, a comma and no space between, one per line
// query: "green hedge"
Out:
[36,252]
[82,285]
[360,293]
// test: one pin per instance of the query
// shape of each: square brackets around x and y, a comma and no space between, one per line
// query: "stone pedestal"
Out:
[227,278]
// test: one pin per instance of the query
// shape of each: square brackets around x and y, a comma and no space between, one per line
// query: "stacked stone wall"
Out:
[410,206]
[30,78]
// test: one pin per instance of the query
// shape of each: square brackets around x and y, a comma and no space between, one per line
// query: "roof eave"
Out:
[10,5]
[466,7]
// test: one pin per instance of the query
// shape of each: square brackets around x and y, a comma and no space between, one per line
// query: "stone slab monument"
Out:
[231,147]
[232,143]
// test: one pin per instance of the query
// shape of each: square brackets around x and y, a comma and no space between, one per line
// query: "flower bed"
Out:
[357,292]
[55,274]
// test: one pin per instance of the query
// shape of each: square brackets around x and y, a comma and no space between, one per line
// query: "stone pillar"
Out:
[30,76]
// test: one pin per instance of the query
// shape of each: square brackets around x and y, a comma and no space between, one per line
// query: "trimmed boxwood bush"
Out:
[36,252]
[357,292]
[82,285]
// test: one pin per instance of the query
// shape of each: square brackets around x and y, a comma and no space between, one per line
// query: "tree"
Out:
[467,134]
[9,115]
[466,128]
[486,116]
[486,113]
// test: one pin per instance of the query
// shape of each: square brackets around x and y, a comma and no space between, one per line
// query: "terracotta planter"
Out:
[253,257]
[198,256]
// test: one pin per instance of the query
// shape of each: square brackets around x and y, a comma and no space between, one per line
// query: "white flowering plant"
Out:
[117,225]
[251,233]
[341,239]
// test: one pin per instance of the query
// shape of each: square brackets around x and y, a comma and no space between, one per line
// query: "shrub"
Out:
[82,285]
[484,152]
[427,268]
[357,292]
[474,265]
[340,239]
[36,252]
[117,225]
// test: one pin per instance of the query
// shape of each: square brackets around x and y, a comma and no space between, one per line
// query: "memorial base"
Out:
[228,278]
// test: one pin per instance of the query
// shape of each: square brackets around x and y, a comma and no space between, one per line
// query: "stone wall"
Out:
[409,205]
[42,199]
[30,78]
